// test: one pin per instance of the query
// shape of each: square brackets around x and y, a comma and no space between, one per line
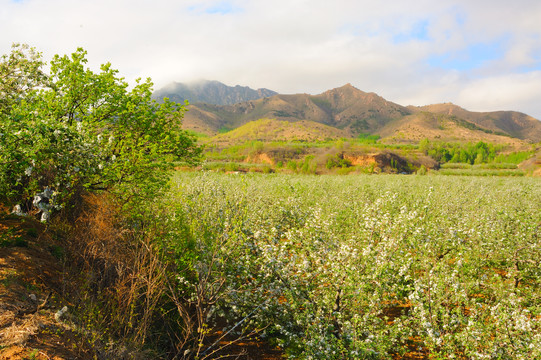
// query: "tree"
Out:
[20,71]
[75,129]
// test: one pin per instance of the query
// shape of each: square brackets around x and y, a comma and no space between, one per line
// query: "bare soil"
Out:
[32,290]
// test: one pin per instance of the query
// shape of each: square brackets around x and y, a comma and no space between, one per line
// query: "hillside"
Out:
[345,108]
[513,123]
[354,112]
[275,130]
[211,92]
[434,126]
[358,111]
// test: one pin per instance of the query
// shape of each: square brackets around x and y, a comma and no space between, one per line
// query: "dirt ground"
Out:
[31,293]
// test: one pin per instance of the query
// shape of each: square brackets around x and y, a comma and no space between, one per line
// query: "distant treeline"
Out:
[470,153]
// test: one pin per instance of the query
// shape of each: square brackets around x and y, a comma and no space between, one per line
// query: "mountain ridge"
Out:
[355,112]
[210,91]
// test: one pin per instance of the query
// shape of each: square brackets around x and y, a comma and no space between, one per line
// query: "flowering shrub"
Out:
[371,267]
[74,128]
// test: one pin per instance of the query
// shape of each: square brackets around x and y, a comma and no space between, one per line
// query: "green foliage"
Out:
[223,130]
[10,238]
[75,129]
[468,153]
[20,72]
[197,134]
[514,157]
[308,165]
[32,232]
[292,165]
[491,169]
[368,138]
[477,171]
[337,161]
[57,251]
[422,170]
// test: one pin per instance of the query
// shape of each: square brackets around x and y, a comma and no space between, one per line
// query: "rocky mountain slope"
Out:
[212,92]
[354,112]
[515,124]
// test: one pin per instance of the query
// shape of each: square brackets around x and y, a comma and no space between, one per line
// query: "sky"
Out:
[483,55]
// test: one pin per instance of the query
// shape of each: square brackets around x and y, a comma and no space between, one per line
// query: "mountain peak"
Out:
[210,92]
[347,87]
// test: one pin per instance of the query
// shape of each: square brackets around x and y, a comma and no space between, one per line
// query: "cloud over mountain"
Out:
[410,52]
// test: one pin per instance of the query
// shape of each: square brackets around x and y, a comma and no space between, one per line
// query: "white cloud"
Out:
[506,92]
[303,46]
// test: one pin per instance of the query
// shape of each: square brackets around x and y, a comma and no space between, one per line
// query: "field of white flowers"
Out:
[365,267]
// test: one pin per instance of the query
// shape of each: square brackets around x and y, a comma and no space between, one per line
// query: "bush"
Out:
[337,161]
[73,129]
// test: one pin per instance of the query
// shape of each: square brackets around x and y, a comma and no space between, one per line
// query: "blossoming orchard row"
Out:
[335,267]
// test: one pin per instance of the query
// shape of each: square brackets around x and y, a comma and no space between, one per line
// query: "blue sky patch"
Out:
[218,8]
[419,31]
[472,57]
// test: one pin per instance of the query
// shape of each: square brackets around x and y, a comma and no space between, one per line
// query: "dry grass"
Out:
[122,274]
[117,287]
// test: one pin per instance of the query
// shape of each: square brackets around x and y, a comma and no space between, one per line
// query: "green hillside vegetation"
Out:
[269,130]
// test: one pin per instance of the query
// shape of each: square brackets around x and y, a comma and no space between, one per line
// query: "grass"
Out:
[227,166]
[514,158]
[491,169]
[481,172]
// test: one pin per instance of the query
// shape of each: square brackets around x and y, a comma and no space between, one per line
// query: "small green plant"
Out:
[57,251]
[367,138]
[33,355]
[337,161]
[292,165]
[32,232]
[9,277]
[10,238]
[308,165]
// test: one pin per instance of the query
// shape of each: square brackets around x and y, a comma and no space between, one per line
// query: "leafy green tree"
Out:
[75,129]
[20,71]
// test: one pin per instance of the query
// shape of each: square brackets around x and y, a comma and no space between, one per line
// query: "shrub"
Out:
[74,129]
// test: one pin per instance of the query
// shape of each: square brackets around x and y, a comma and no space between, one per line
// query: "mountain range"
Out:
[212,92]
[342,112]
